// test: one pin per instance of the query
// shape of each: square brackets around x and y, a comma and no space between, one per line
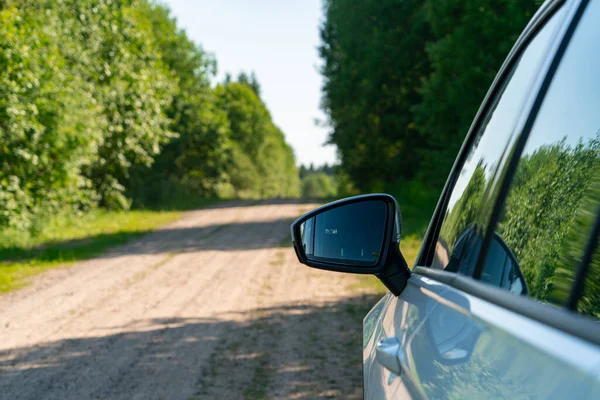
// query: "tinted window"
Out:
[555,191]
[352,232]
[466,215]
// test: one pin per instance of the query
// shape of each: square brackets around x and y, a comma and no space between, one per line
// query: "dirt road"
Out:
[214,306]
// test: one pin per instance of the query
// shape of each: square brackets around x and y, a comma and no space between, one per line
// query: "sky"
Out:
[278,41]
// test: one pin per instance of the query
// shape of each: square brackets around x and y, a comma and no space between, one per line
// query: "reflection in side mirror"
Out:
[351,233]
[359,234]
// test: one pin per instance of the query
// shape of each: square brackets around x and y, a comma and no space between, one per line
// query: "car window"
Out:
[465,216]
[555,192]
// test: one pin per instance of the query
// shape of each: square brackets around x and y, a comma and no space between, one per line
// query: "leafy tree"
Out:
[135,90]
[50,122]
[470,41]
[263,165]
[197,159]
[537,221]
[404,79]
[103,100]
[374,62]
[466,210]
[318,186]
[250,81]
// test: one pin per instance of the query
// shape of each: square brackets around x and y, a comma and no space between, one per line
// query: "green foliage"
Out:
[66,238]
[106,102]
[466,209]
[547,218]
[546,235]
[417,203]
[197,159]
[135,90]
[470,41]
[83,96]
[249,81]
[49,119]
[404,79]
[374,61]
[318,186]
[262,163]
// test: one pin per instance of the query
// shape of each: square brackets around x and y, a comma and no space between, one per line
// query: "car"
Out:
[503,300]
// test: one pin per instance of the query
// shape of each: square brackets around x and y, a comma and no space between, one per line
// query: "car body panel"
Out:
[455,344]
[470,348]
[399,317]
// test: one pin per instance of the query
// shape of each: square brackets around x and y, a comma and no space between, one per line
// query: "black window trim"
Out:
[578,289]
[560,318]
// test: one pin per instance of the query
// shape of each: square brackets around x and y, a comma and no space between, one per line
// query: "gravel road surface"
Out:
[213,306]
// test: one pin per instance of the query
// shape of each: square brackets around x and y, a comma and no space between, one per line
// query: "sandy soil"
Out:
[214,306]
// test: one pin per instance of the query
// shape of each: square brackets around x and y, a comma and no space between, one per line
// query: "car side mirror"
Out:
[359,234]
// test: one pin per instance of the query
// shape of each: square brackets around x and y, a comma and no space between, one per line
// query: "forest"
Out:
[403,82]
[108,104]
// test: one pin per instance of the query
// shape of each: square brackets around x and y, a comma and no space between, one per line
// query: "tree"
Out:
[470,41]
[250,81]
[263,165]
[103,101]
[50,122]
[374,62]
[395,78]
[318,186]
[196,160]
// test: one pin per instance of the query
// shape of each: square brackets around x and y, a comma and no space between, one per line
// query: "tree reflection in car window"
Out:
[478,177]
[555,192]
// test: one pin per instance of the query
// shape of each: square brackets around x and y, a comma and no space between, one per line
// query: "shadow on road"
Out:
[224,204]
[225,236]
[299,350]
[252,203]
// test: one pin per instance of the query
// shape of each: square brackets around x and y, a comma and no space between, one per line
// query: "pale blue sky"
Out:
[278,41]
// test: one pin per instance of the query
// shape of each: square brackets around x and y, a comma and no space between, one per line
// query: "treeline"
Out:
[108,103]
[404,79]
[318,182]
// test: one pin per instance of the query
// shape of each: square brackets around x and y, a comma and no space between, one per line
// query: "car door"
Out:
[511,223]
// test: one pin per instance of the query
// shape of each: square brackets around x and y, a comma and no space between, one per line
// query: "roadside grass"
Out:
[410,246]
[416,204]
[63,240]
[178,201]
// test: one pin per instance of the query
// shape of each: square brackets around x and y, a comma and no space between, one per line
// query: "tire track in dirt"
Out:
[208,307]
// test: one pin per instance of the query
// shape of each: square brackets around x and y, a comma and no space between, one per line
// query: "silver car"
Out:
[504,298]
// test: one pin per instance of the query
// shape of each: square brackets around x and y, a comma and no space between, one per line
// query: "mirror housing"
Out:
[358,234]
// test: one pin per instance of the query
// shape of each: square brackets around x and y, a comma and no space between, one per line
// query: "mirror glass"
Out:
[351,233]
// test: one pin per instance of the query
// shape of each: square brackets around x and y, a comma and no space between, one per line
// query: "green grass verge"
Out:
[181,202]
[63,240]
[410,248]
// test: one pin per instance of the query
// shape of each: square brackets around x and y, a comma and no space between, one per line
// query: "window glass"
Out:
[465,216]
[555,191]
